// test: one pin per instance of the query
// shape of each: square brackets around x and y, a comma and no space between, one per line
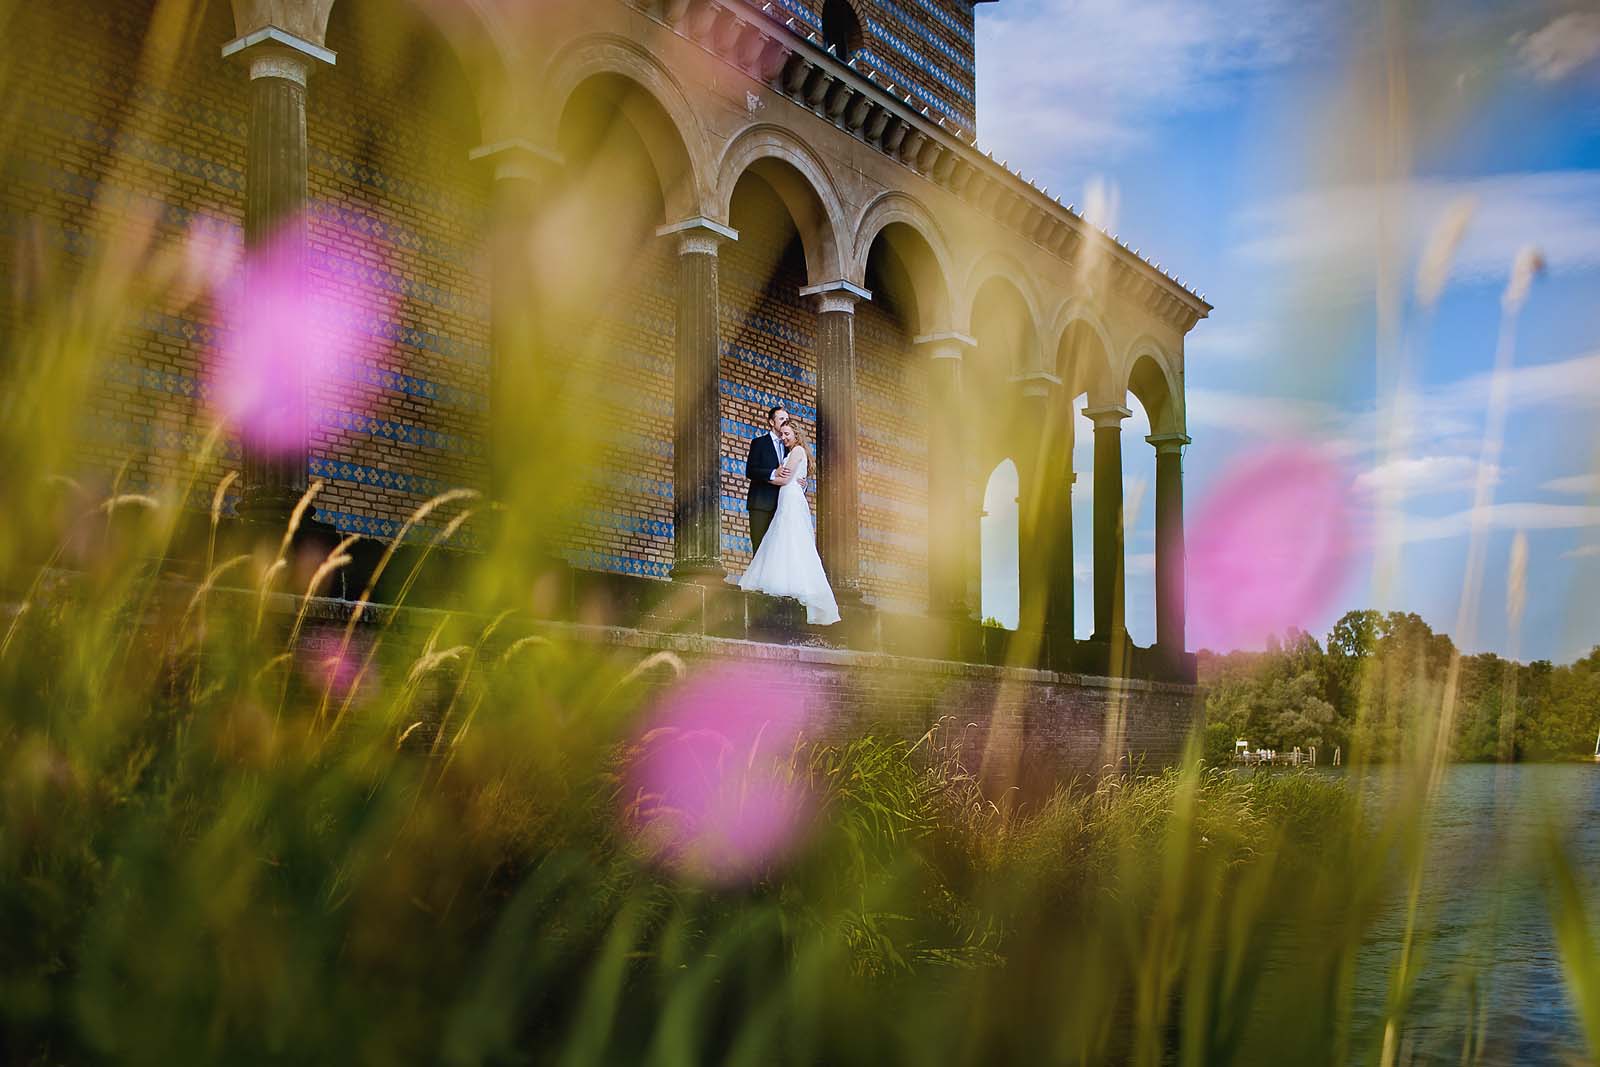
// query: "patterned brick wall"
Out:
[397,222]
[94,149]
[923,48]
[397,226]
[892,408]
[625,525]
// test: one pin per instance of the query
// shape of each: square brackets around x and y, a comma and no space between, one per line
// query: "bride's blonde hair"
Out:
[802,440]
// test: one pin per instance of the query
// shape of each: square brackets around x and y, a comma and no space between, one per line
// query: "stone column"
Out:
[1171,575]
[839,503]
[697,405]
[947,452]
[276,179]
[1109,579]
[521,172]
[1044,476]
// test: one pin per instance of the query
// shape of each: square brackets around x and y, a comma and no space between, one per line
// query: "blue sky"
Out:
[1238,143]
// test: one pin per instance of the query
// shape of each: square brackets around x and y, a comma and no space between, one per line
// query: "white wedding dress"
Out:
[787,563]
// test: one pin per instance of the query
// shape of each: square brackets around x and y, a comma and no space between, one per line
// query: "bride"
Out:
[787,563]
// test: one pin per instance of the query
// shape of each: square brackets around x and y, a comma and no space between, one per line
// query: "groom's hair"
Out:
[773,411]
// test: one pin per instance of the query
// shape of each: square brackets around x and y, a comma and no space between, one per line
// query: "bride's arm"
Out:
[792,461]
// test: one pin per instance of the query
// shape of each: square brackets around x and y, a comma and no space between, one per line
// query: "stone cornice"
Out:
[698,236]
[784,54]
[1107,417]
[272,39]
[946,344]
[516,157]
[1169,443]
[837,295]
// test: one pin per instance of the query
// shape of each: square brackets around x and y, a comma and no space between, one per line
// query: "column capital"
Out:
[1168,443]
[946,344]
[1108,416]
[274,53]
[1037,383]
[839,295]
[516,157]
[698,235]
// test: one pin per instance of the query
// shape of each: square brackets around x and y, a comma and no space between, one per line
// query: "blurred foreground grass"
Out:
[218,846]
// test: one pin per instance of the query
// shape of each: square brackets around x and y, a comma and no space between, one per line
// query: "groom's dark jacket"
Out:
[763,460]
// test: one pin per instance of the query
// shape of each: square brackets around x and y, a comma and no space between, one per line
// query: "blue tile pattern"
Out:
[421,436]
[339,470]
[918,60]
[587,559]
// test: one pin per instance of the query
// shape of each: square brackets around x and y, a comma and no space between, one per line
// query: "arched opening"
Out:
[1084,366]
[841,29]
[607,289]
[1006,339]
[998,539]
[1153,413]
[768,331]
[894,419]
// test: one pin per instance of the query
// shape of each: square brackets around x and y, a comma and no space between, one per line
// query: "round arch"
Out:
[1084,357]
[486,47]
[676,145]
[801,180]
[1149,377]
[1000,266]
[902,226]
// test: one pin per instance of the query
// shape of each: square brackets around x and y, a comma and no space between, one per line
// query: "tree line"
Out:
[1387,687]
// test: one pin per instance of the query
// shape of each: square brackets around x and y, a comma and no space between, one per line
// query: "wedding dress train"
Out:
[787,563]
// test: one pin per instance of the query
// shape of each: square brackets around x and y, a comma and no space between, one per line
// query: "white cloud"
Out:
[1561,47]
[1508,516]
[1430,424]
[1577,484]
[1265,416]
[1077,79]
[1415,476]
[1332,236]
[1583,552]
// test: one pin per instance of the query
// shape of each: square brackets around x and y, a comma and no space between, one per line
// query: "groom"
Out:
[765,461]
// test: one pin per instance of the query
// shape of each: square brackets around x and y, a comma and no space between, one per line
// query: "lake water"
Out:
[1490,960]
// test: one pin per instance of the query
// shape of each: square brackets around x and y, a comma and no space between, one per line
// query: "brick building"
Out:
[661,215]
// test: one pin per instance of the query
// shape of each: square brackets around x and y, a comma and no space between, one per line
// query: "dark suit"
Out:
[762,499]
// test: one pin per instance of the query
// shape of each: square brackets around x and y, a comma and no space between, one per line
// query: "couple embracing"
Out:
[786,561]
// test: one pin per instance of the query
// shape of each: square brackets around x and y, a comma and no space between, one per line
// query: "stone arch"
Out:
[1002,266]
[307,19]
[1084,357]
[486,43]
[801,180]
[481,41]
[1149,377]
[999,549]
[918,241]
[676,146]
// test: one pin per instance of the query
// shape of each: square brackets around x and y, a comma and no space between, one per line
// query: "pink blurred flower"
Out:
[293,332]
[212,249]
[1269,547]
[324,665]
[710,791]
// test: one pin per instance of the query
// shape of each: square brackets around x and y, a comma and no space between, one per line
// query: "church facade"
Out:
[669,215]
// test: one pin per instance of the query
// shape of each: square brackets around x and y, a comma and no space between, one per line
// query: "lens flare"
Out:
[1269,547]
[296,333]
[713,791]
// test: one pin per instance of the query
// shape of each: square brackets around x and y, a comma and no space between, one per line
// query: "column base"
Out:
[700,571]
[1107,658]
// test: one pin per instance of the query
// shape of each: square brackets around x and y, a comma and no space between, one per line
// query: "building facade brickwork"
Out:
[811,166]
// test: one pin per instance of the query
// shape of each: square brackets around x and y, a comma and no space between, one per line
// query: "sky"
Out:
[1350,188]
